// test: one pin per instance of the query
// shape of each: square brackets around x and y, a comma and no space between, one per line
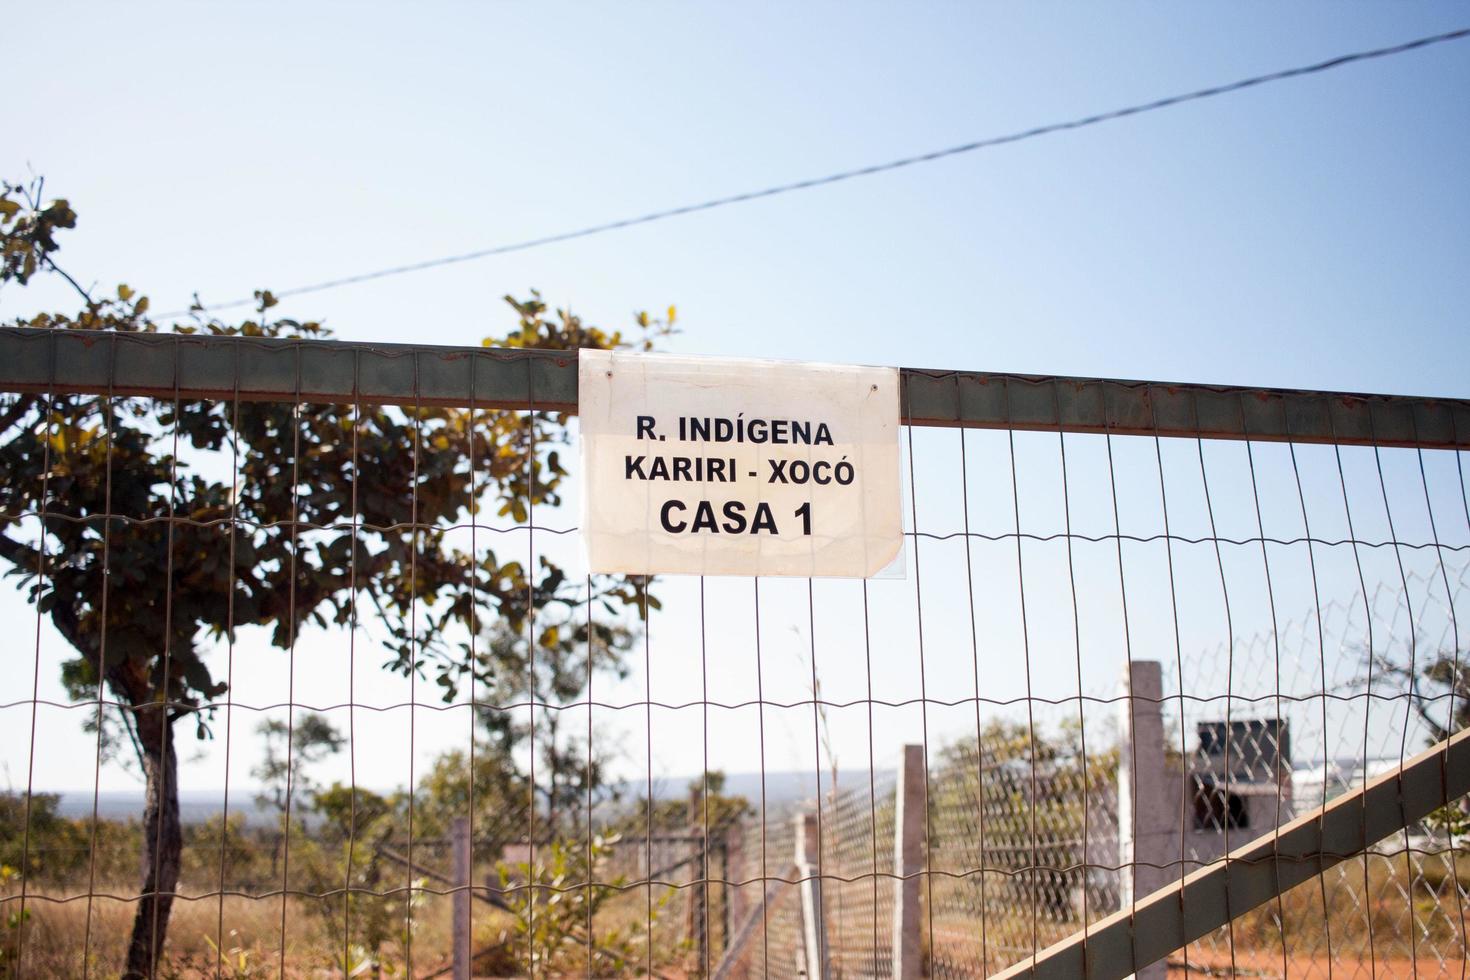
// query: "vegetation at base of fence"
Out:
[553,904]
[543,918]
[11,922]
[1363,915]
[1384,905]
[348,845]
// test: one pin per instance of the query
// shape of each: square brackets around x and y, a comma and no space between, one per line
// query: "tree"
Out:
[571,772]
[289,748]
[347,854]
[1439,694]
[551,914]
[143,561]
[1017,800]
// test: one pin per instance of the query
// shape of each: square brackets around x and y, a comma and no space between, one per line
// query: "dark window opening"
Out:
[1216,808]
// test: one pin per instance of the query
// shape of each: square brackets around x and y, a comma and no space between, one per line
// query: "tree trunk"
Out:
[162,842]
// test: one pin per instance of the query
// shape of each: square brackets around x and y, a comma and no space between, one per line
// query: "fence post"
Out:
[459,833]
[735,904]
[908,861]
[813,918]
[1148,828]
[696,908]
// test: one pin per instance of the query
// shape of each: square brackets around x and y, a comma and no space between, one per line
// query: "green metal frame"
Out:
[204,366]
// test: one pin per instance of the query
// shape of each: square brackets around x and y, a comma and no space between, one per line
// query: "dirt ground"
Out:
[1265,967]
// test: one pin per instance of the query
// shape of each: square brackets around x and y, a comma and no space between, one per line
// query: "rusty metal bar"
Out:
[340,371]
[260,369]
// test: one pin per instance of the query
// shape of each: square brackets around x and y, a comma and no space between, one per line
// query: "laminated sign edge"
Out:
[715,466]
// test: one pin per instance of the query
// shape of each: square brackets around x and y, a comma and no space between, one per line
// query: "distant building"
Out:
[1241,781]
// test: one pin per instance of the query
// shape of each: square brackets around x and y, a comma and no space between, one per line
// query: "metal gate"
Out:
[1171,676]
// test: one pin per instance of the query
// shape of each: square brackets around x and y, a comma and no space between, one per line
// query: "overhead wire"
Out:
[1081,122]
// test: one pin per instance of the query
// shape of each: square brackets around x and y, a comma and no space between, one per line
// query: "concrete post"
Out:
[696,907]
[813,917]
[1148,812]
[460,933]
[908,861]
[735,902]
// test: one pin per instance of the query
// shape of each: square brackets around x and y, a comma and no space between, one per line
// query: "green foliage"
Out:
[112,471]
[12,922]
[493,793]
[290,746]
[1018,799]
[235,960]
[59,852]
[555,669]
[96,486]
[371,918]
[229,847]
[1028,775]
[58,849]
[706,800]
[338,838]
[551,902]
[53,839]
[1452,820]
[30,231]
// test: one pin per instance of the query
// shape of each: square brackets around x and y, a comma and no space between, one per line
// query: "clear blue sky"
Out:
[1313,233]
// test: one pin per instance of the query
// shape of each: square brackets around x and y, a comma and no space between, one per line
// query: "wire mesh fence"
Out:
[298,670]
[1398,909]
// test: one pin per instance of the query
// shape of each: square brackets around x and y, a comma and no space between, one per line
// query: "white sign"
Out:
[706,466]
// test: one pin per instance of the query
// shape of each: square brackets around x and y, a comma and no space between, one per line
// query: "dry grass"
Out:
[252,943]
[1365,927]
[1372,920]
[57,940]
[1266,965]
